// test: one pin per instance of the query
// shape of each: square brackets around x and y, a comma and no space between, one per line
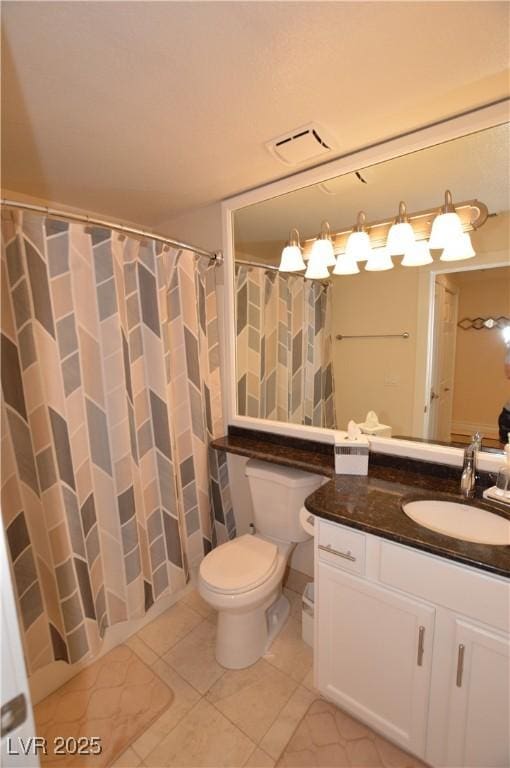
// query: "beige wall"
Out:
[480,385]
[375,374]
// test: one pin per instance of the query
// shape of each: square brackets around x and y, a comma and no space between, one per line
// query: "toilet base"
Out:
[243,637]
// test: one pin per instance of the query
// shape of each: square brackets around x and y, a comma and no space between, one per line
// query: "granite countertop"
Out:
[293,454]
[374,503]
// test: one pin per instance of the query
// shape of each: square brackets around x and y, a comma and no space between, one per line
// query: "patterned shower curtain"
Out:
[284,365]
[111,391]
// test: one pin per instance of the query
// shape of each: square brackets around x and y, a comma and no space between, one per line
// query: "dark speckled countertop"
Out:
[374,503]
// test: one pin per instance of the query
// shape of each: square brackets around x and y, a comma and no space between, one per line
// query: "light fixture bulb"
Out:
[460,248]
[401,234]
[323,246]
[379,261]
[346,264]
[358,243]
[358,246]
[292,258]
[418,255]
[316,269]
[447,225]
[400,238]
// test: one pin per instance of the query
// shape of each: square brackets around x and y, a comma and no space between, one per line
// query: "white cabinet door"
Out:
[374,655]
[479,698]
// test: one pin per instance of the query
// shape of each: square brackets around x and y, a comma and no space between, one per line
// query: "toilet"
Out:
[242,579]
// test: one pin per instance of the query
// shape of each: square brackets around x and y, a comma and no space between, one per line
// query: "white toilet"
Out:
[242,579]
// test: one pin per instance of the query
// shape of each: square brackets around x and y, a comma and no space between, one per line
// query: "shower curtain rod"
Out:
[213,256]
[272,268]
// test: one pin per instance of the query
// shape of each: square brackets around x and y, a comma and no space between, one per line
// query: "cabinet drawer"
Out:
[341,547]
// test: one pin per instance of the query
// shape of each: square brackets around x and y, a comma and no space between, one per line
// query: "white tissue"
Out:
[371,420]
[353,431]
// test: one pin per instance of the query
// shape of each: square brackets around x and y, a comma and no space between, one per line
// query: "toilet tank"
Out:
[278,493]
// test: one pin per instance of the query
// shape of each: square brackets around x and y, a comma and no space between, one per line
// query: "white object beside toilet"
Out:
[242,579]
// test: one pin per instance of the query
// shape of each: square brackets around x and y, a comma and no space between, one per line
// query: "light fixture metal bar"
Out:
[405,335]
[472,213]
[214,256]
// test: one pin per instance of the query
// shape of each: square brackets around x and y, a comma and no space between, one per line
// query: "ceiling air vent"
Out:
[302,145]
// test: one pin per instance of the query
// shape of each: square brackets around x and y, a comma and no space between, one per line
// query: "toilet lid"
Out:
[240,564]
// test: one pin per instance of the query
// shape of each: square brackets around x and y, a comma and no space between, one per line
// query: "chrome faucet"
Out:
[468,477]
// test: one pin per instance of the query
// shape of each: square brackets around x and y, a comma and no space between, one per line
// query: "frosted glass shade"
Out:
[460,248]
[379,261]
[323,249]
[346,264]
[417,255]
[400,238]
[358,246]
[446,227]
[316,269]
[292,260]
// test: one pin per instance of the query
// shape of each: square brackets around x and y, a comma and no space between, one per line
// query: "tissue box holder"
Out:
[351,457]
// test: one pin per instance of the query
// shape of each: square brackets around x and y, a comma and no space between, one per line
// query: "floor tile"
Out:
[162,633]
[259,759]
[128,759]
[253,697]
[185,698]
[142,650]
[198,604]
[283,727]
[290,653]
[194,657]
[203,738]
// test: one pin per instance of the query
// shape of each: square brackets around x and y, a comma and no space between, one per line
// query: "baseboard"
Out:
[54,675]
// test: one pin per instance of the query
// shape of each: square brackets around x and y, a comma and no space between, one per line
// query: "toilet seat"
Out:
[239,565]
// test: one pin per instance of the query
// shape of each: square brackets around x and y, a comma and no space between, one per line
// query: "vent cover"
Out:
[301,145]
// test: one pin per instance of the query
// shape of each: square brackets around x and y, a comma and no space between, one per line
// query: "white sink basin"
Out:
[460,521]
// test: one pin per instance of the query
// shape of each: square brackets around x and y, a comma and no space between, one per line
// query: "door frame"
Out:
[432,275]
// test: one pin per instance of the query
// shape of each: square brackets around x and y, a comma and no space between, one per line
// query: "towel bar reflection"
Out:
[404,335]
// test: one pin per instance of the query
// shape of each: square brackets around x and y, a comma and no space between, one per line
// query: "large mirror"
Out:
[425,348]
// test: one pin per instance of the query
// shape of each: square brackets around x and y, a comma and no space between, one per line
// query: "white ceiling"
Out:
[143,110]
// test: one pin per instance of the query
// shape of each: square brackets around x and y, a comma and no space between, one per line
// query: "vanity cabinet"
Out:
[415,646]
[478,711]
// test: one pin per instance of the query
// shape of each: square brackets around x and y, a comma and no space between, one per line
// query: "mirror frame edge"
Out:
[482,118]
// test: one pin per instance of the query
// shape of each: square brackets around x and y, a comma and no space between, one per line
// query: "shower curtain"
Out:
[284,365]
[111,392]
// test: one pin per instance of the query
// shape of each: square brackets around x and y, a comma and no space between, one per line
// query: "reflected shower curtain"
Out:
[284,366]
[111,391]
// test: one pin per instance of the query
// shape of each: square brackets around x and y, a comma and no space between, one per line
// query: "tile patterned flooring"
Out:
[266,715]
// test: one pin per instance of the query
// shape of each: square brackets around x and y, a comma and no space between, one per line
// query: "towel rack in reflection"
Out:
[404,335]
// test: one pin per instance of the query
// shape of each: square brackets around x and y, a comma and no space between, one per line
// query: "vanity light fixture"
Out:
[379,261]
[292,257]
[459,248]
[358,243]
[401,234]
[323,246]
[447,225]
[418,255]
